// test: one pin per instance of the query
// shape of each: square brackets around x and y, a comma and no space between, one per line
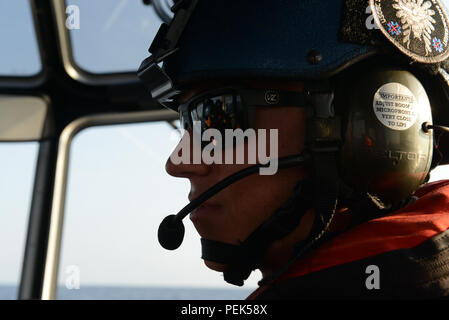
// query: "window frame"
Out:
[42,127]
[52,262]
[72,69]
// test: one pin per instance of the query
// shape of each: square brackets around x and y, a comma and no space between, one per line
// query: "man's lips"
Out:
[204,211]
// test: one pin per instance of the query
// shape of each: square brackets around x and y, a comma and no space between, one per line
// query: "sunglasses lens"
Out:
[184,119]
[220,112]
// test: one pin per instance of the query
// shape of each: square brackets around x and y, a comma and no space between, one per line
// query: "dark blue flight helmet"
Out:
[282,40]
[383,64]
[269,39]
[312,41]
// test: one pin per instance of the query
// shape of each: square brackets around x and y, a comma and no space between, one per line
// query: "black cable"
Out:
[442,129]
[427,126]
[300,251]
[171,230]
[287,162]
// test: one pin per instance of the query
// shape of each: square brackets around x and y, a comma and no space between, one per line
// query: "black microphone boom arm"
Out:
[171,230]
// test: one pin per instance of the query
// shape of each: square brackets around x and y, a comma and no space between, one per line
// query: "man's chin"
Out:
[215,266]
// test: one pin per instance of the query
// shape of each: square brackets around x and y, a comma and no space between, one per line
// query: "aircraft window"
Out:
[117,194]
[17,170]
[110,36]
[20,52]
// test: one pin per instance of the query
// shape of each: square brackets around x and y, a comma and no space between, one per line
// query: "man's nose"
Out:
[184,166]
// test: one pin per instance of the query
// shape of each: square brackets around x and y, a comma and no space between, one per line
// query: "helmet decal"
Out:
[419,28]
[395,106]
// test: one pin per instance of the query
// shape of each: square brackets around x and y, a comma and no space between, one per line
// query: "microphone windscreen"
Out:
[171,233]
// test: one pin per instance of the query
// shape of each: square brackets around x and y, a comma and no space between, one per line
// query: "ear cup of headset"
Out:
[385,151]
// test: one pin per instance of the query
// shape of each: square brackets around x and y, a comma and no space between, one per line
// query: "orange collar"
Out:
[405,228]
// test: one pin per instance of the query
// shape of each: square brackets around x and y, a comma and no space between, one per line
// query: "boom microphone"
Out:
[171,230]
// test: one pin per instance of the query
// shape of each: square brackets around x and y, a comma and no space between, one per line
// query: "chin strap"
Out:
[244,258]
[327,188]
[320,193]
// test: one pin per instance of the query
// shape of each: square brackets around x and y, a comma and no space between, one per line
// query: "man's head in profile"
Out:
[307,79]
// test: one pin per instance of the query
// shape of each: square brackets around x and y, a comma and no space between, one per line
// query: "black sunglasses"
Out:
[233,108]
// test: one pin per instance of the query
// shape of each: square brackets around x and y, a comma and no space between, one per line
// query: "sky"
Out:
[21,56]
[118,190]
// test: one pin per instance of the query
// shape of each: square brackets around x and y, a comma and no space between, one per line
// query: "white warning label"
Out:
[395,106]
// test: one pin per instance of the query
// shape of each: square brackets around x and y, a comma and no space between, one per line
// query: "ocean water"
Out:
[138,293]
